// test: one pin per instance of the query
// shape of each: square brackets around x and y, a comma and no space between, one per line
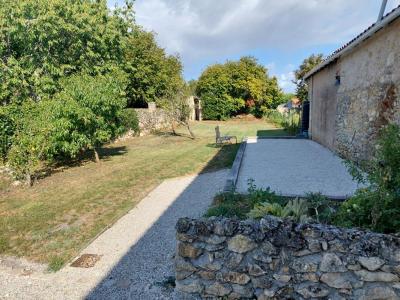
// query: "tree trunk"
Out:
[190,131]
[28,179]
[173,127]
[96,155]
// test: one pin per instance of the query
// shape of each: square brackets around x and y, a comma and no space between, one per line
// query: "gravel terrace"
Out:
[136,252]
[294,167]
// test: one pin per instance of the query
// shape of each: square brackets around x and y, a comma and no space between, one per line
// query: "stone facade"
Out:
[346,115]
[279,259]
[152,119]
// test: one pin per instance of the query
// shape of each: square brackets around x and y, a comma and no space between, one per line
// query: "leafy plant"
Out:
[261,210]
[230,205]
[295,209]
[376,206]
[259,195]
[129,120]
[321,208]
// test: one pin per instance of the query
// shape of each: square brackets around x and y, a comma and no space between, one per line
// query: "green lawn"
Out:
[60,214]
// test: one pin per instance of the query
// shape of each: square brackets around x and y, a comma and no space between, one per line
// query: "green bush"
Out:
[31,146]
[230,205]
[84,115]
[129,120]
[8,114]
[377,206]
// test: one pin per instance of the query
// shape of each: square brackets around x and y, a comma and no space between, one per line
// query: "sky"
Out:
[279,33]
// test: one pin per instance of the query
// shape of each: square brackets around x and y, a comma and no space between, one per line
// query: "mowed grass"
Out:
[51,221]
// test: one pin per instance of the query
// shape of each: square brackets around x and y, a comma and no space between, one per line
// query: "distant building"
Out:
[356,90]
[195,108]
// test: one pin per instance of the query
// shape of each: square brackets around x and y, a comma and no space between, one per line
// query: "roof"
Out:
[371,30]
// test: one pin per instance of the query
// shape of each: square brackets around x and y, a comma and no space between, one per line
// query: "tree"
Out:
[94,111]
[152,74]
[84,115]
[43,41]
[307,65]
[235,87]
[67,72]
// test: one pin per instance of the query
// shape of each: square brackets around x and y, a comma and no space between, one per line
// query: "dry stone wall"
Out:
[279,259]
[152,119]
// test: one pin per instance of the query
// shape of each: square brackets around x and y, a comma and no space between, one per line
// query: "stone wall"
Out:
[279,259]
[151,119]
[346,117]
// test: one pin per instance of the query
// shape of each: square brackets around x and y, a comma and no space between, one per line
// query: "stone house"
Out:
[356,90]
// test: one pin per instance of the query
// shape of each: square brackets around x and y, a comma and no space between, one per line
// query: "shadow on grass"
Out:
[223,159]
[171,134]
[153,253]
[272,133]
[105,153]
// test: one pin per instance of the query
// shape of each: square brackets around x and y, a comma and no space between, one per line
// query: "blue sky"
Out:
[280,34]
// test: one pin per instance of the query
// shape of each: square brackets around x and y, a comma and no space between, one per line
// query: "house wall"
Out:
[323,107]
[367,98]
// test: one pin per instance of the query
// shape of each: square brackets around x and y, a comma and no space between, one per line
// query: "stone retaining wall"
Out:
[152,119]
[279,259]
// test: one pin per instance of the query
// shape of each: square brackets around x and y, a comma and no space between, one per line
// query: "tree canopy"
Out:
[68,70]
[306,66]
[237,86]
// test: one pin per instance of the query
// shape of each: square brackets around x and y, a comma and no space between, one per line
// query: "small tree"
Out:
[178,111]
[98,103]
[32,147]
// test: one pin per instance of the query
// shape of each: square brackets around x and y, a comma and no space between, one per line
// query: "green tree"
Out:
[43,41]
[152,74]
[84,115]
[306,66]
[95,110]
[237,86]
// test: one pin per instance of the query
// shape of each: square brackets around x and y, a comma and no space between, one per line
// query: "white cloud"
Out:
[286,81]
[208,27]
[211,30]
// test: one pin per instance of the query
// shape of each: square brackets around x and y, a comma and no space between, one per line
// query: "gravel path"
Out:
[294,167]
[137,251]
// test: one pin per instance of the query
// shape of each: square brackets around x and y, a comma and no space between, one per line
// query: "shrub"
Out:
[7,129]
[129,120]
[321,208]
[376,207]
[31,145]
[295,209]
[290,121]
[230,205]
[85,115]
[93,113]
